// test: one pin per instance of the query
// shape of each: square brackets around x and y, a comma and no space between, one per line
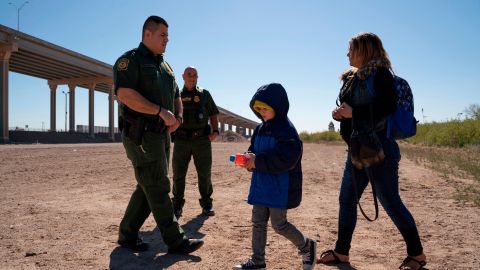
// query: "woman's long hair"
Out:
[369,47]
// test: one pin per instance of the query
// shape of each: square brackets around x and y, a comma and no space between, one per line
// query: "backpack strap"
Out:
[374,193]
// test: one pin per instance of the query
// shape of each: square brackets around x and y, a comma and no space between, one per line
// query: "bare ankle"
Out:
[344,258]
[420,257]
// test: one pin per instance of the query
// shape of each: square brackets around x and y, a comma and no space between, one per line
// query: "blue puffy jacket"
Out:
[277,178]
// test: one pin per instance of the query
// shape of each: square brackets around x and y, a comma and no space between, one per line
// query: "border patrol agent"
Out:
[193,138]
[147,93]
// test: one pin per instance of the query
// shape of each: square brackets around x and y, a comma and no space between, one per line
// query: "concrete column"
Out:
[91,115]
[4,66]
[71,88]
[5,53]
[111,111]
[53,107]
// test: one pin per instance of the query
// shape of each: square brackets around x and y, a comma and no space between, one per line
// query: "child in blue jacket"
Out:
[275,155]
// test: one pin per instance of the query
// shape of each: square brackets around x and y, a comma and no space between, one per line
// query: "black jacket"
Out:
[383,102]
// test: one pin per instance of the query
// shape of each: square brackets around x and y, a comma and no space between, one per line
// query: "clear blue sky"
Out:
[238,46]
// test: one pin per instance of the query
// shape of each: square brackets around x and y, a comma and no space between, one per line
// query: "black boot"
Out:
[135,244]
[188,246]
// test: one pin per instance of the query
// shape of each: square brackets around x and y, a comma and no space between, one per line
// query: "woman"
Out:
[359,109]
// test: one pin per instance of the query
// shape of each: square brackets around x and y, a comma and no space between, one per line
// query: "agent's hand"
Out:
[174,127]
[213,136]
[168,117]
[343,111]
[251,161]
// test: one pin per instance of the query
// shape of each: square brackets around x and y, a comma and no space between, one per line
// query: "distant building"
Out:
[331,126]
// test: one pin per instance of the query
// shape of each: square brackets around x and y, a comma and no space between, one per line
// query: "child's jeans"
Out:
[385,178]
[281,226]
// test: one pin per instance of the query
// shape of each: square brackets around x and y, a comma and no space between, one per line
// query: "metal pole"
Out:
[18,12]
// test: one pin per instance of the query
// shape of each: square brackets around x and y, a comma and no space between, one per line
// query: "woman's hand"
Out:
[342,112]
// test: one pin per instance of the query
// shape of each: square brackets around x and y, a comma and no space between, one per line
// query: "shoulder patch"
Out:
[123,64]
[169,69]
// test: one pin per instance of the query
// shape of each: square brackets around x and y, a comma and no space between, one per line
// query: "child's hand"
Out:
[251,161]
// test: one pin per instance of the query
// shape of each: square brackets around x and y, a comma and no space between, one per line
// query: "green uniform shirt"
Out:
[149,75]
[196,111]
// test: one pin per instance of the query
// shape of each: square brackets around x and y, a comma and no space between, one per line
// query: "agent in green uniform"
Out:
[193,138]
[148,94]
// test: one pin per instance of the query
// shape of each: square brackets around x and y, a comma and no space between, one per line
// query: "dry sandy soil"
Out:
[61,206]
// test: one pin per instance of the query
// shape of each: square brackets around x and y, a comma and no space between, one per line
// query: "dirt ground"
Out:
[61,206]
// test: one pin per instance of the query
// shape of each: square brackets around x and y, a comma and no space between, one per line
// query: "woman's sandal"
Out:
[335,260]
[408,259]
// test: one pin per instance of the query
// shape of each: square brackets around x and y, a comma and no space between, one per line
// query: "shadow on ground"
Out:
[156,257]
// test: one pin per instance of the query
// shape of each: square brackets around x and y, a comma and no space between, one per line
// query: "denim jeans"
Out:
[385,179]
[280,224]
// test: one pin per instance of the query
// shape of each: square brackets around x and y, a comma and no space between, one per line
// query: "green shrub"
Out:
[453,133]
[316,137]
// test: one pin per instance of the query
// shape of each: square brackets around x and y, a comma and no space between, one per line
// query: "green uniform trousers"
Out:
[152,192]
[201,150]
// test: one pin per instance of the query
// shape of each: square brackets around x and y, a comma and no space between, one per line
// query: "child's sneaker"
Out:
[308,257]
[250,264]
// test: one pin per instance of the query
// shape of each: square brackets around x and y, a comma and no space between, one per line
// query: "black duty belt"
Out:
[190,133]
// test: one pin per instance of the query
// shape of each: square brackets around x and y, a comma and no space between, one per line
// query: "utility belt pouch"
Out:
[120,123]
[134,127]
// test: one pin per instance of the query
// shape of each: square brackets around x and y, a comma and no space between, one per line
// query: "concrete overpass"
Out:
[31,56]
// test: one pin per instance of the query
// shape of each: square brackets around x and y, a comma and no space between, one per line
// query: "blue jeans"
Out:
[385,179]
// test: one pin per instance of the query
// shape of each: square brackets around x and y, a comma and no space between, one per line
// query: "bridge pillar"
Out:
[71,88]
[240,130]
[91,112]
[5,53]
[53,107]
[111,111]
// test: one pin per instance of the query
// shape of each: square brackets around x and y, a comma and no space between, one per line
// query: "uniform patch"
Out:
[186,99]
[196,99]
[122,64]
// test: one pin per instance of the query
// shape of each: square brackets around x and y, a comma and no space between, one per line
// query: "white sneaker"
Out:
[309,257]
